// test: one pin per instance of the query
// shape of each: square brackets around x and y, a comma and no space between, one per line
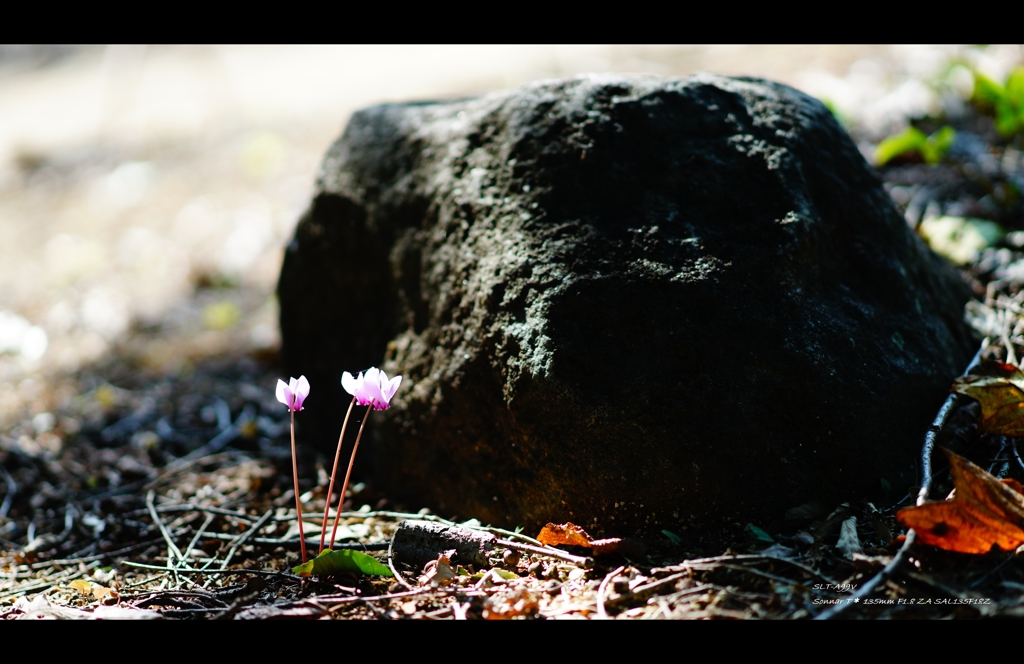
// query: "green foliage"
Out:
[346,560]
[931,148]
[759,534]
[1004,102]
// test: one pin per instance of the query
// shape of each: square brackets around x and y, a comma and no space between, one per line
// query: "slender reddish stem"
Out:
[298,505]
[334,473]
[348,474]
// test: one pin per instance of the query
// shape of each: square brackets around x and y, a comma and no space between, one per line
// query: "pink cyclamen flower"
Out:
[373,389]
[293,393]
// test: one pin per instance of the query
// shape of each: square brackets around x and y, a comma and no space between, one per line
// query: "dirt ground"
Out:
[146,195]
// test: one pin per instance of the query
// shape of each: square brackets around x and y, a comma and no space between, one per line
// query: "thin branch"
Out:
[602,589]
[689,564]
[199,533]
[245,536]
[194,570]
[391,562]
[903,555]
[278,541]
[192,507]
[160,524]
[545,551]
[508,533]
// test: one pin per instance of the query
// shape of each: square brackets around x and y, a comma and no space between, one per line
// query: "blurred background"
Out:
[147,192]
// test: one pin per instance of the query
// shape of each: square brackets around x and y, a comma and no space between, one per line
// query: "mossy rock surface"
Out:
[629,302]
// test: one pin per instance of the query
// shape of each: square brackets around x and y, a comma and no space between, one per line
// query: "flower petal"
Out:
[284,393]
[373,375]
[371,388]
[349,383]
[301,392]
[389,388]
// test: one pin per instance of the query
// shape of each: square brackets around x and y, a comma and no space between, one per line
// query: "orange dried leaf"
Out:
[573,535]
[566,533]
[984,513]
[1013,484]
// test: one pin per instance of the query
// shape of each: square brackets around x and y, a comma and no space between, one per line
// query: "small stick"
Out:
[334,473]
[358,546]
[551,552]
[903,554]
[348,474]
[502,531]
[298,503]
[245,536]
[160,524]
[601,613]
[199,533]
[195,570]
[98,556]
[391,563]
[191,507]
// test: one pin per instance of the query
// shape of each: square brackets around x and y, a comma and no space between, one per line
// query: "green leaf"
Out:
[938,144]
[759,533]
[505,574]
[1007,123]
[986,91]
[911,140]
[886,487]
[346,560]
[1015,87]
[675,539]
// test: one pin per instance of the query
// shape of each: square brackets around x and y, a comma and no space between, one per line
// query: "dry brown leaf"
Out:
[101,593]
[566,533]
[573,535]
[82,586]
[999,388]
[439,572]
[983,513]
[849,542]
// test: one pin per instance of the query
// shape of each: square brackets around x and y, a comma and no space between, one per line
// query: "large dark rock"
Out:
[633,303]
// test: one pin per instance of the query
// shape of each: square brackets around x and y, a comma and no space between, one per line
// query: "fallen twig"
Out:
[194,570]
[903,554]
[391,562]
[602,589]
[245,536]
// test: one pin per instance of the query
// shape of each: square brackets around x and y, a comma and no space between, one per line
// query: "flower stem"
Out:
[348,474]
[298,505]
[334,473]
